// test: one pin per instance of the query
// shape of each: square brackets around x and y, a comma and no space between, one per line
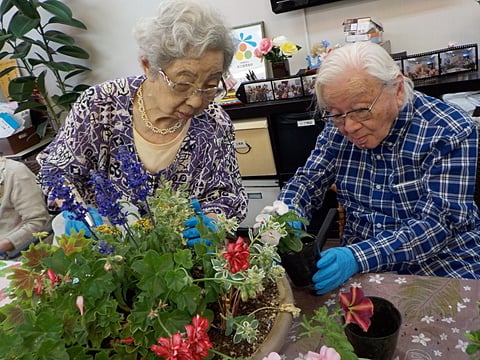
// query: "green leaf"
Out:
[27,8]
[188,299]
[60,66]
[7,70]
[21,50]
[183,258]
[57,8]
[73,51]
[70,22]
[21,88]
[5,6]
[67,98]
[59,37]
[20,25]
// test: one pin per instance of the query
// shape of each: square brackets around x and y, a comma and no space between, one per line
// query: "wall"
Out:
[410,25]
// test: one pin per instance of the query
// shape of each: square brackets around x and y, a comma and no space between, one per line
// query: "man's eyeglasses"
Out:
[188,89]
[359,115]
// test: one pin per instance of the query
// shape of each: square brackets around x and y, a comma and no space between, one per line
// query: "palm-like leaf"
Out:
[436,297]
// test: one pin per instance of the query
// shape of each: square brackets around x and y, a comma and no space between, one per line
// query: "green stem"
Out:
[222,355]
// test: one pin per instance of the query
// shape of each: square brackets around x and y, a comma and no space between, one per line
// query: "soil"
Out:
[266,318]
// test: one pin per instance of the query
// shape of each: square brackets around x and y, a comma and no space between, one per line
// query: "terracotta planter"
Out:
[280,68]
[380,341]
[276,339]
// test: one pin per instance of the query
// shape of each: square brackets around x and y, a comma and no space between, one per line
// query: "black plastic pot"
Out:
[380,341]
[301,266]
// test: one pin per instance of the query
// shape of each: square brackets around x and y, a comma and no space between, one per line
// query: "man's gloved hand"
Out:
[77,225]
[191,233]
[296,225]
[335,266]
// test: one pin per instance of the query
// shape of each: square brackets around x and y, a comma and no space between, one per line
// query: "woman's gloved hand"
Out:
[335,266]
[71,224]
[191,232]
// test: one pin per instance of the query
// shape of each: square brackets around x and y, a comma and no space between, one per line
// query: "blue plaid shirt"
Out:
[409,202]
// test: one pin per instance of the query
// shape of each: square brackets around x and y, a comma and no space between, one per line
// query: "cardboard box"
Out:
[253,147]
[363,29]
[19,141]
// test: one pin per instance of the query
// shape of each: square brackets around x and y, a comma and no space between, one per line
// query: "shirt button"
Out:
[379,226]
[378,187]
[378,157]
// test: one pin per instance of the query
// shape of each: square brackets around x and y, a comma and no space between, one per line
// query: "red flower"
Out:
[52,276]
[175,348]
[237,255]
[198,339]
[357,307]
[128,340]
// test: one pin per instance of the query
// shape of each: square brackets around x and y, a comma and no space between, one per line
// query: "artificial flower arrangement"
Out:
[277,49]
[354,308]
[135,289]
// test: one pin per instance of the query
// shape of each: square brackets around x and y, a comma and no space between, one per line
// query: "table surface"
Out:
[436,313]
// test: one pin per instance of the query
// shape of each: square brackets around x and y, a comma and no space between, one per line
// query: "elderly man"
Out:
[404,165]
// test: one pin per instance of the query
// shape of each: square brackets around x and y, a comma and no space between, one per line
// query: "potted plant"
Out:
[298,249]
[136,290]
[29,33]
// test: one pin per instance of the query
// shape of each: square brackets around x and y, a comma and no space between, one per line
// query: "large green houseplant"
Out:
[29,33]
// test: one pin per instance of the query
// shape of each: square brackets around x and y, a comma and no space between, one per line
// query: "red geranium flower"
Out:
[198,339]
[357,307]
[175,348]
[237,255]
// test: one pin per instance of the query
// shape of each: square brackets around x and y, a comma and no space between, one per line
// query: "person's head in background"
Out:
[185,42]
[361,89]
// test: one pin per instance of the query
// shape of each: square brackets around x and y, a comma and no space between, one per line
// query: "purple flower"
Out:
[105,248]
[135,175]
[61,191]
[107,198]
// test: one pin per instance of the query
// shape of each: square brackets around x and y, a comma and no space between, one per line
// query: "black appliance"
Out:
[281,6]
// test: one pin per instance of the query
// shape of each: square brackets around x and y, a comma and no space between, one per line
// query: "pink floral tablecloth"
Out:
[5,267]
[436,313]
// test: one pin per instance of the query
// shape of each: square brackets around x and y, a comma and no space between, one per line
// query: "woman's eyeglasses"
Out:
[188,89]
[359,115]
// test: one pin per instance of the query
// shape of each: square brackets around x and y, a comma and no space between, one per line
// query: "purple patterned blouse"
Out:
[100,122]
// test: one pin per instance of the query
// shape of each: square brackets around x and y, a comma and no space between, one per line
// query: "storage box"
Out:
[260,193]
[253,147]
[19,141]
[363,29]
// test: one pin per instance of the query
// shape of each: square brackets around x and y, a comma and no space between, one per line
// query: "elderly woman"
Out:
[22,206]
[166,117]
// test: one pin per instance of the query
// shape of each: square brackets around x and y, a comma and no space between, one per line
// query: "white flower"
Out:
[271,237]
[421,339]
[279,40]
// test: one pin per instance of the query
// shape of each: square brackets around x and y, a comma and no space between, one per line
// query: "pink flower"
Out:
[272,356]
[327,353]
[357,307]
[79,304]
[265,46]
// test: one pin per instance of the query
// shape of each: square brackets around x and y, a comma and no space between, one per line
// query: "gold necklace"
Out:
[148,123]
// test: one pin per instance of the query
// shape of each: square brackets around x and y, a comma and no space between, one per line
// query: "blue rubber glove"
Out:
[191,233]
[296,225]
[335,266]
[77,225]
